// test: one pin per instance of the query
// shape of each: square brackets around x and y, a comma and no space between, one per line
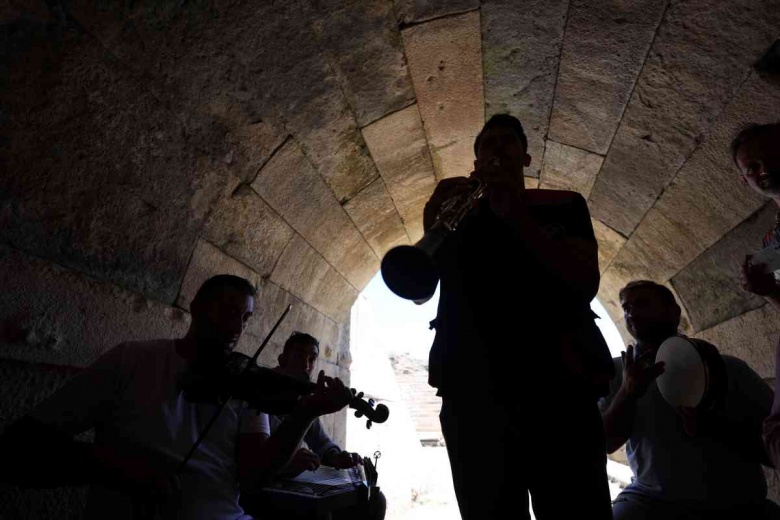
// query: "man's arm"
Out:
[260,456]
[320,443]
[618,418]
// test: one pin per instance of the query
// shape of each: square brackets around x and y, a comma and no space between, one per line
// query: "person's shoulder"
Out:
[735,364]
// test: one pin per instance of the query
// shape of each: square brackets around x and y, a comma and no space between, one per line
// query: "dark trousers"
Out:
[374,509]
[635,507]
[554,448]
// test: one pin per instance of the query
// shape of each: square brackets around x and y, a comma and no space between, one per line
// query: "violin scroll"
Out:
[366,408]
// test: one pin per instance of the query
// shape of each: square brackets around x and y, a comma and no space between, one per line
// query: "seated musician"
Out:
[756,152]
[298,358]
[687,463]
[144,426]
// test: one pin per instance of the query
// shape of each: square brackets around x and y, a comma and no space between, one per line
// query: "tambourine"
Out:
[694,373]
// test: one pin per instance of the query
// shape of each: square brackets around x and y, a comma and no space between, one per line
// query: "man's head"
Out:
[220,311]
[756,152]
[503,138]
[299,355]
[650,310]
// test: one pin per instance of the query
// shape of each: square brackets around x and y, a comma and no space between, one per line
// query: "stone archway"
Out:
[145,147]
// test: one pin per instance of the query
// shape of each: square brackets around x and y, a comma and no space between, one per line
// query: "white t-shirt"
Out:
[131,395]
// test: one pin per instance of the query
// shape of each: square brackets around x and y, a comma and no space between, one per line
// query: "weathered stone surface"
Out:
[97,175]
[258,61]
[245,227]
[362,41]
[207,261]
[271,303]
[531,183]
[400,151]
[294,189]
[610,242]
[522,48]
[686,82]
[445,61]
[710,286]
[568,168]
[410,11]
[751,337]
[52,314]
[304,273]
[605,46]
[705,200]
[373,212]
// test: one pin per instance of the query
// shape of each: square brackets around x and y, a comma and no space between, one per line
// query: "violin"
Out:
[266,390]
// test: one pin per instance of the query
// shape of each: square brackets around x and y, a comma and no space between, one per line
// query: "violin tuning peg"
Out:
[358,414]
[360,395]
[354,392]
[368,425]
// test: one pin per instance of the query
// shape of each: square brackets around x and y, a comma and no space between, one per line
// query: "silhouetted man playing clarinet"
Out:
[517,358]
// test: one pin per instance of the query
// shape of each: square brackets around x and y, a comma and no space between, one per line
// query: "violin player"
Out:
[144,426]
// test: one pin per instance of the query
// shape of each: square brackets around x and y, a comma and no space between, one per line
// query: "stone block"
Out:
[687,80]
[605,47]
[361,40]
[223,67]
[710,285]
[207,261]
[705,200]
[52,314]
[610,242]
[373,212]
[294,189]
[245,227]
[302,318]
[568,168]
[624,269]
[415,11]
[522,47]
[399,148]
[304,273]
[531,183]
[751,337]
[445,62]
[98,176]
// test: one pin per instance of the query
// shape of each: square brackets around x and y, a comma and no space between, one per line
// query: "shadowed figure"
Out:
[756,152]
[518,359]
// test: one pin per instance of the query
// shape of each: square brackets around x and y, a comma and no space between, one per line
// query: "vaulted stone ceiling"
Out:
[147,145]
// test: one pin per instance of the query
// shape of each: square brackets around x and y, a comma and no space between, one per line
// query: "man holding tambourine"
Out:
[690,417]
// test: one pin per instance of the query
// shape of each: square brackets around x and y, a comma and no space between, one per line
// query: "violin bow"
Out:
[214,417]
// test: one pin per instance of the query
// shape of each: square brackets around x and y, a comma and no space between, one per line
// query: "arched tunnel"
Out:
[146,146]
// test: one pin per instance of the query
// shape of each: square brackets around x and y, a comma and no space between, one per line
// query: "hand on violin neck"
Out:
[329,396]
